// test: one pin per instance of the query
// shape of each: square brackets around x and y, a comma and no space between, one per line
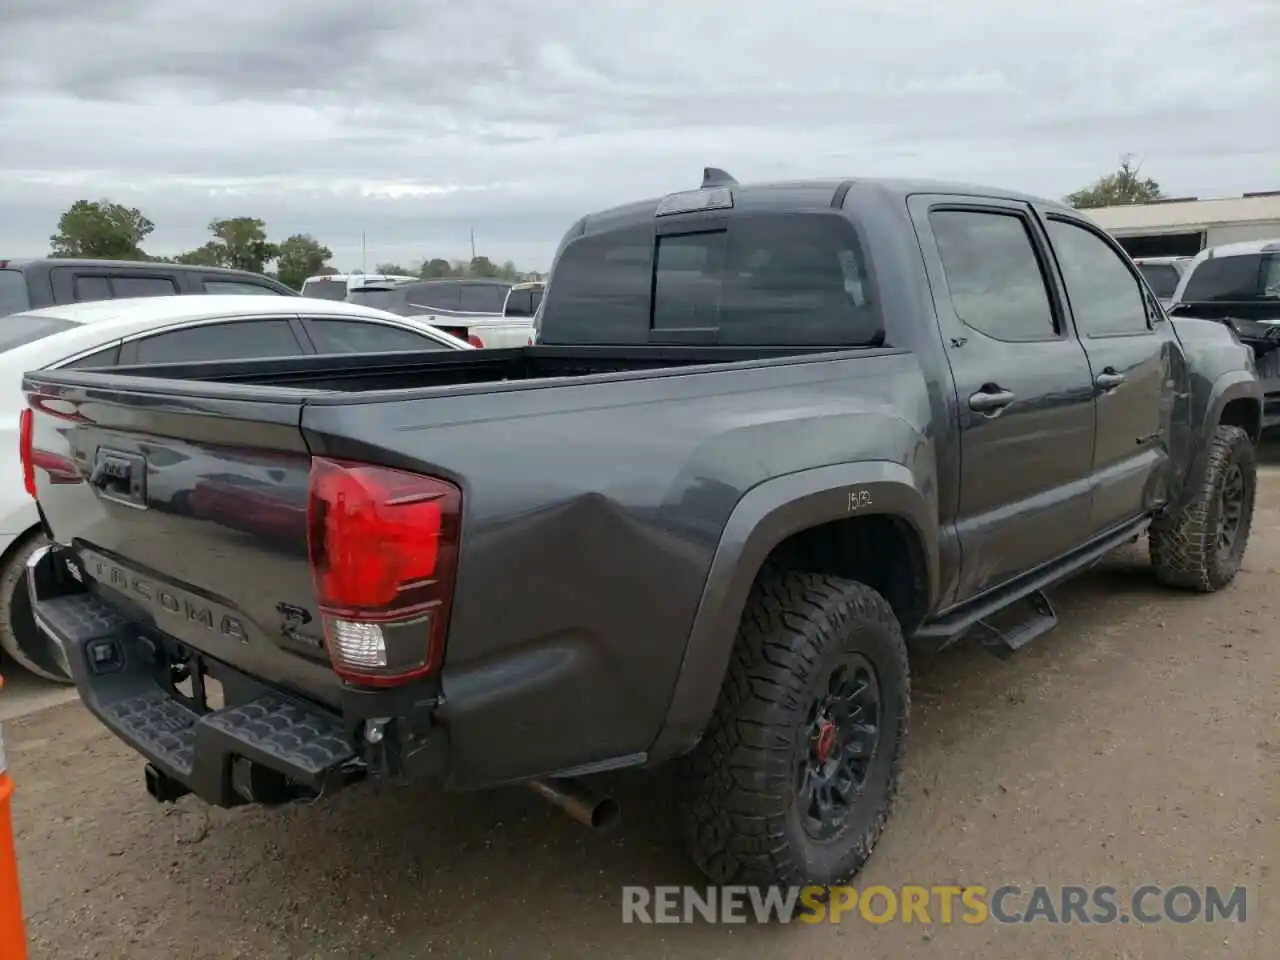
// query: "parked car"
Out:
[472,310]
[770,435]
[336,286]
[50,281]
[1238,284]
[1162,275]
[155,330]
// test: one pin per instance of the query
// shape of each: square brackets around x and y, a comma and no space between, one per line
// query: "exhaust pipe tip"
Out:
[579,801]
[606,815]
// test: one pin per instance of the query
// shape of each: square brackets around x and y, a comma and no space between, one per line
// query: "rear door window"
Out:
[100,286]
[994,279]
[124,287]
[90,287]
[21,329]
[100,358]
[350,336]
[239,287]
[13,292]
[1162,278]
[1224,278]
[237,340]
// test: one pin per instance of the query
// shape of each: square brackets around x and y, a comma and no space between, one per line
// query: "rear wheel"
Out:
[1202,546]
[796,773]
[19,638]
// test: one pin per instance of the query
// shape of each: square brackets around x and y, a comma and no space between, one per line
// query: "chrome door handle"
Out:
[990,401]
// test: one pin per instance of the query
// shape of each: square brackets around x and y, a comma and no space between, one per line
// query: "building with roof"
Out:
[1183,226]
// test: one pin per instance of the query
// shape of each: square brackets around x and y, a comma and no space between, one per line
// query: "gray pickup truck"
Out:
[770,437]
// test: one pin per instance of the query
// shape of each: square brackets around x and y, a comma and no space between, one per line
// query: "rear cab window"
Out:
[390,299]
[325,289]
[752,279]
[13,292]
[482,298]
[433,296]
[21,329]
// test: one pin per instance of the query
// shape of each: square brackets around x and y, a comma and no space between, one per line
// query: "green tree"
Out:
[243,243]
[392,269]
[208,255]
[481,267]
[100,228]
[1123,186]
[436,267]
[299,257]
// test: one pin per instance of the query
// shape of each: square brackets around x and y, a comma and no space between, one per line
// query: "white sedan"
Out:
[156,330]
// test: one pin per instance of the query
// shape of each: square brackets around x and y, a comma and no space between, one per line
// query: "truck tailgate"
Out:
[191,516]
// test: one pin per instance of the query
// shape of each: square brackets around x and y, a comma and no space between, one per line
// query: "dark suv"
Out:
[50,281]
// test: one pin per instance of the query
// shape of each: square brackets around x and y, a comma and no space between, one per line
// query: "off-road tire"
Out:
[19,639]
[738,810]
[1184,546]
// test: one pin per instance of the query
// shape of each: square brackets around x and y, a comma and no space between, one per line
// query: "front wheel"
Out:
[795,776]
[1202,546]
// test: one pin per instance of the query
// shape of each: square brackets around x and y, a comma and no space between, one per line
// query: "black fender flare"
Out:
[764,517]
[1230,386]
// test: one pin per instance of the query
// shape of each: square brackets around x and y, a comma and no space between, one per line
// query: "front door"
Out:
[1134,358]
[1024,391]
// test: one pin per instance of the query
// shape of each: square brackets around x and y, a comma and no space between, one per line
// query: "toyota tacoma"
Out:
[770,438]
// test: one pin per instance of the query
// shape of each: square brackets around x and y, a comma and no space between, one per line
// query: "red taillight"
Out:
[24,441]
[475,341]
[383,546]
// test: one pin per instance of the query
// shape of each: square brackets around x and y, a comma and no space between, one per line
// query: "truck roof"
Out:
[19,262]
[797,194]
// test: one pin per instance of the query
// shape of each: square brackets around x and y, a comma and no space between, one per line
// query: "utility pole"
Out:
[364,256]
[473,243]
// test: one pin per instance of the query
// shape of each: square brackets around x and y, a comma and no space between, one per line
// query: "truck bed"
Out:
[432,368]
[594,483]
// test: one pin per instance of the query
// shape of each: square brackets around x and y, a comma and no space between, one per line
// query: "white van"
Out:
[336,286]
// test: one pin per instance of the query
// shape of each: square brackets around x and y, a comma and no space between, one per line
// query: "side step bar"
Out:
[978,614]
[1038,620]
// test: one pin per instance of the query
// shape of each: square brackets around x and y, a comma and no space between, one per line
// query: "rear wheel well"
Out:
[1245,414]
[880,551]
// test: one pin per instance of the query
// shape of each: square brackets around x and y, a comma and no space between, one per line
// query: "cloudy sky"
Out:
[416,122]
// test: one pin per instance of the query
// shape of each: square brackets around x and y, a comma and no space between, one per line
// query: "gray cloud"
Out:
[415,122]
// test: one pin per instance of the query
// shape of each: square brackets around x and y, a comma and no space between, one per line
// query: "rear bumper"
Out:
[265,744]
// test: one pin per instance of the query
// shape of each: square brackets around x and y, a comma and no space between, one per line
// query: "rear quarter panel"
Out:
[591,514]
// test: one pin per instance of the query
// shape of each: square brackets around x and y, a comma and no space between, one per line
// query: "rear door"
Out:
[1135,360]
[1024,388]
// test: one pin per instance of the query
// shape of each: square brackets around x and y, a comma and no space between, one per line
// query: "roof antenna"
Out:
[715,177]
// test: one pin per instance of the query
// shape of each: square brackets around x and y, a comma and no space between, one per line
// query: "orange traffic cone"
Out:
[13,934]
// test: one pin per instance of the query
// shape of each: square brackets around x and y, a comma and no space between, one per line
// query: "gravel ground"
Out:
[1137,743]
